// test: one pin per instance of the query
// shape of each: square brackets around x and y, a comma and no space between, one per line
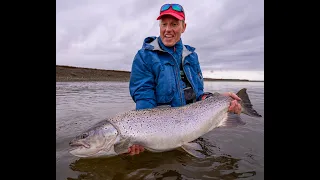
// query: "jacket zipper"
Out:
[178,77]
[189,80]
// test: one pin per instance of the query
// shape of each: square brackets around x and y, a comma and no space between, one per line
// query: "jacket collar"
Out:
[152,43]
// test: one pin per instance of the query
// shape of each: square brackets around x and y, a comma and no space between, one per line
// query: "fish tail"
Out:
[246,104]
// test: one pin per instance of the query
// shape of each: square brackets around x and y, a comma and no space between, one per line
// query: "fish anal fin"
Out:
[232,120]
[193,149]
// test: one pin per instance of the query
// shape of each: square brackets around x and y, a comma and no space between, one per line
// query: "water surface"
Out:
[235,153]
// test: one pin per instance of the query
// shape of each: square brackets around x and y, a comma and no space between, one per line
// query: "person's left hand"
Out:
[234,107]
[135,149]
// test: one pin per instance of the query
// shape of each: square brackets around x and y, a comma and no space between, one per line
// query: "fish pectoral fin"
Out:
[232,120]
[123,146]
[193,149]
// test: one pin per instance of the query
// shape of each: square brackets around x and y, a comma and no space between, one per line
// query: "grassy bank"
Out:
[70,73]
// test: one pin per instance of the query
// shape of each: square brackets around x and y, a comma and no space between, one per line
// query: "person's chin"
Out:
[169,43]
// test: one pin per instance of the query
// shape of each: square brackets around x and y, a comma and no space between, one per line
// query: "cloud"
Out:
[227,34]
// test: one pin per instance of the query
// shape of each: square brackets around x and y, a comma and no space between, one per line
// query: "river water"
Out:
[236,153]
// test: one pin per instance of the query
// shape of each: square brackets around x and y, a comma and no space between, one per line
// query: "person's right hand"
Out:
[235,106]
[135,149]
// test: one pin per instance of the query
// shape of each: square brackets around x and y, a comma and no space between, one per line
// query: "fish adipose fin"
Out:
[193,149]
[246,104]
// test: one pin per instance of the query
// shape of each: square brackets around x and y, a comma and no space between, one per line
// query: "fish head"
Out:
[96,140]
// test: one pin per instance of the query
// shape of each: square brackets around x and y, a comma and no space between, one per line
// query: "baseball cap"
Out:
[174,10]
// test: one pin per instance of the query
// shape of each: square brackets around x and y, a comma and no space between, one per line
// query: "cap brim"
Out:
[171,14]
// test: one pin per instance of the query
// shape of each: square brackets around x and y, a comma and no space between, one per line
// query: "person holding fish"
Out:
[167,72]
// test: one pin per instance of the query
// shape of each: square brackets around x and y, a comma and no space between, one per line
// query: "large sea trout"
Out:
[160,129]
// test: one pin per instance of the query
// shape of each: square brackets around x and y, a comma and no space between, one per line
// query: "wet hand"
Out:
[135,149]
[235,106]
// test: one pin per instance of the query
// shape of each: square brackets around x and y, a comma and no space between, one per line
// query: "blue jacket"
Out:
[155,75]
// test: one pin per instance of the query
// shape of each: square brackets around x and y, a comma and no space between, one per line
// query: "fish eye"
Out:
[84,135]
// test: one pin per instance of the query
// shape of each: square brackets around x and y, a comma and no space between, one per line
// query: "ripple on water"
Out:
[233,153]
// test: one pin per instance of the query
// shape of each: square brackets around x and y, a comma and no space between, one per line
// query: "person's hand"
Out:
[234,107]
[135,149]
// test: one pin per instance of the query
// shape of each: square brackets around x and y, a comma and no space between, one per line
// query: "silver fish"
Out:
[160,129]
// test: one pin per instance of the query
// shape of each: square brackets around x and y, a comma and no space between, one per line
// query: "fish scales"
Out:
[161,129]
[169,128]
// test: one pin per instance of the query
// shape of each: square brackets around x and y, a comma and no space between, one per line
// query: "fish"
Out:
[161,129]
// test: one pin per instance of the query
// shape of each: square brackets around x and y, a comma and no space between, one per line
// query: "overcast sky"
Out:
[228,34]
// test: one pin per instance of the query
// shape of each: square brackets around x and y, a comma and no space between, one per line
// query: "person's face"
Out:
[171,30]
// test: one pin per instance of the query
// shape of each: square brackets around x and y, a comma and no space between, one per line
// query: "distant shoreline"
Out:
[71,73]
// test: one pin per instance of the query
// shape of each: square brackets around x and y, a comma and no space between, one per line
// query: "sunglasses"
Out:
[176,7]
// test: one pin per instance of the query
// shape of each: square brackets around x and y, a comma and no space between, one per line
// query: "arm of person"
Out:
[141,88]
[142,84]
[234,107]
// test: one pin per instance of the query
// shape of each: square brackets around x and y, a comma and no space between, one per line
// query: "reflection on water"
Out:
[233,153]
[174,164]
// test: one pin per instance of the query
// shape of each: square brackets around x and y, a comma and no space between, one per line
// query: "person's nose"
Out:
[168,28]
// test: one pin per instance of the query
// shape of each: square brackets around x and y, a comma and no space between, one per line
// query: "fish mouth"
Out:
[76,145]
